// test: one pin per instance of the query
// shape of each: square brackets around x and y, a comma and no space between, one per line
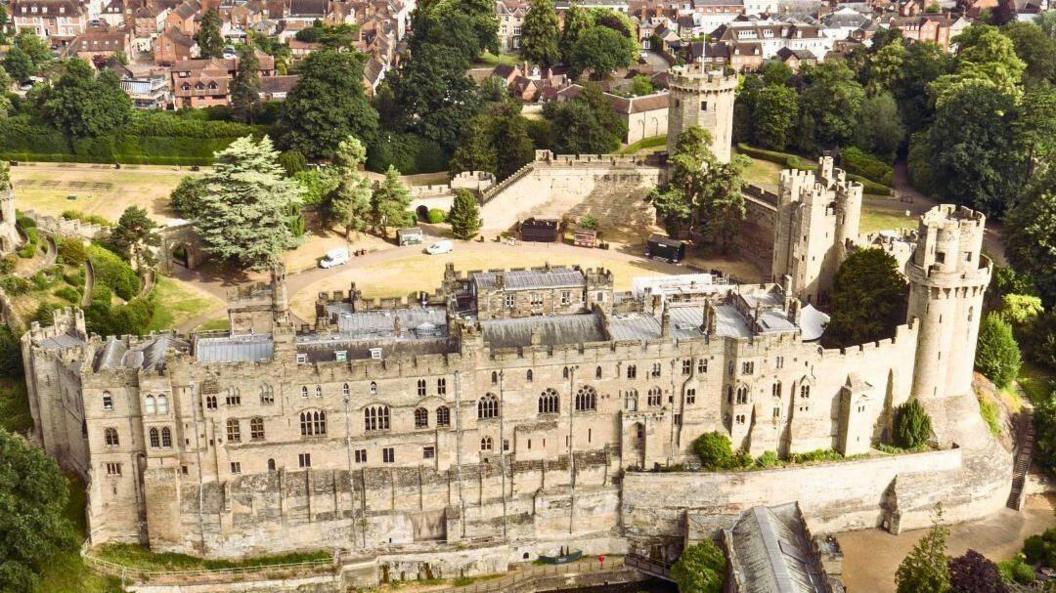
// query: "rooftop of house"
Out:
[770,552]
[558,277]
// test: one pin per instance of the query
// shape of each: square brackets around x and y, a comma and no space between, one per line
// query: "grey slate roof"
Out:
[61,341]
[553,330]
[730,323]
[770,553]
[242,348]
[115,354]
[418,322]
[685,323]
[531,279]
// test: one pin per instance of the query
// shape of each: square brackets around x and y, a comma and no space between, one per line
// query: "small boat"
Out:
[564,558]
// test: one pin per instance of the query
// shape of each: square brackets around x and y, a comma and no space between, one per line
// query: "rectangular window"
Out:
[388,455]
[678,419]
[361,455]
[656,369]
[508,301]
[506,444]
[691,395]
[441,386]
[341,355]
[747,368]
[566,297]
[780,362]
[421,388]
[304,460]
[302,358]
[687,367]
[777,412]
[537,299]
[632,371]
[703,105]
[236,467]
[428,452]
[702,366]
[113,469]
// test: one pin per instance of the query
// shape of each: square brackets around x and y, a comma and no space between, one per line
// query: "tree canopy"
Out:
[389,203]
[540,34]
[997,354]
[601,50]
[434,95]
[134,236]
[245,86]
[868,299]
[81,104]
[924,569]
[700,569]
[209,38]
[349,202]
[464,215]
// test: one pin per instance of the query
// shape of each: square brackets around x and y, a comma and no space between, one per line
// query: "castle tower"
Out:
[703,99]
[9,239]
[947,278]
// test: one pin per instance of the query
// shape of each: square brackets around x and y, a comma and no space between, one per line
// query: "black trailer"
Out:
[665,248]
[544,230]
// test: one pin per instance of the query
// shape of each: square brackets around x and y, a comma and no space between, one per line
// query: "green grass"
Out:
[178,302]
[503,59]
[1036,382]
[763,173]
[215,325]
[989,411]
[135,556]
[645,143]
[880,216]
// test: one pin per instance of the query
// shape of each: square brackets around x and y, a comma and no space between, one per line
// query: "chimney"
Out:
[665,323]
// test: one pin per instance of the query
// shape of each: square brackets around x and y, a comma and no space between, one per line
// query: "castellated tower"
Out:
[818,214]
[947,278]
[703,99]
[9,240]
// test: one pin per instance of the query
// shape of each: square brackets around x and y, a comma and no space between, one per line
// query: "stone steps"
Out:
[1021,463]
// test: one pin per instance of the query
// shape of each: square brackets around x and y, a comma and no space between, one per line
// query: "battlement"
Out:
[953,215]
[696,77]
[548,158]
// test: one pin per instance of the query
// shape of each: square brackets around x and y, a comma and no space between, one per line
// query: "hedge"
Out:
[792,161]
[409,153]
[855,160]
[112,271]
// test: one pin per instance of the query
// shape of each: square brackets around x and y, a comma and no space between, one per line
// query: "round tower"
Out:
[947,278]
[703,99]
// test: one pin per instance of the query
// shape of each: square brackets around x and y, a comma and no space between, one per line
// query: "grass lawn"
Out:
[105,192]
[763,173]
[489,59]
[1037,383]
[136,556]
[214,325]
[177,302]
[14,407]
[883,214]
[646,145]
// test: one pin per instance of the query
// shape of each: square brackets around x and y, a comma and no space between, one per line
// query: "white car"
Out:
[440,247]
[334,258]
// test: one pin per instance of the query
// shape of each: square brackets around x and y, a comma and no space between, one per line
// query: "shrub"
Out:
[588,222]
[815,456]
[409,153]
[315,185]
[68,293]
[997,353]
[10,354]
[86,218]
[14,285]
[44,313]
[989,411]
[112,271]
[857,161]
[41,280]
[700,569]
[72,252]
[912,425]
[714,450]
[1015,570]
[436,215]
[27,251]
[292,161]
[768,459]
[1035,549]
[7,264]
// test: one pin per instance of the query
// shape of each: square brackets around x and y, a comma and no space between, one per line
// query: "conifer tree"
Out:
[210,40]
[540,34]
[577,20]
[245,86]
[134,236]
[350,201]
[464,215]
[925,568]
[241,213]
[389,203]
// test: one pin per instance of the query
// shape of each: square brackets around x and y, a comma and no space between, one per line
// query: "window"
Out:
[376,418]
[318,391]
[597,372]
[775,390]
[256,429]
[630,400]
[267,395]
[691,395]
[703,105]
[506,444]
[110,436]
[488,407]
[566,297]
[804,391]
[304,460]
[632,371]
[108,400]
[740,418]
[166,437]
[313,423]
[233,397]
[655,396]
[742,394]
[565,373]
[443,416]
[441,386]
[549,402]
[236,467]
[586,399]
[155,437]
[304,391]
[346,391]
[777,412]
[428,452]
[150,407]
[747,367]
[388,455]
[421,418]
[702,366]
[113,469]
[537,299]
[780,362]
[508,301]
[485,444]
[421,388]
[271,465]
[210,402]
[373,388]
[234,431]
[494,378]
[361,455]
[528,376]
[687,367]
[656,369]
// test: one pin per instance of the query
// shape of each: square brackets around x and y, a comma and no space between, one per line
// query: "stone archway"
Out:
[422,212]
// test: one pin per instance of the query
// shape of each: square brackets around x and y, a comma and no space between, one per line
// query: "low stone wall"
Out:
[65,228]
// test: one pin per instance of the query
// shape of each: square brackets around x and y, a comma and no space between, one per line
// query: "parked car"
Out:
[333,258]
[440,247]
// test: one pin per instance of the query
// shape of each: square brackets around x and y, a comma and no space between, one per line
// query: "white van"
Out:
[334,257]
[440,247]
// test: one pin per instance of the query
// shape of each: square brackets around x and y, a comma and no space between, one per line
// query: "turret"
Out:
[703,99]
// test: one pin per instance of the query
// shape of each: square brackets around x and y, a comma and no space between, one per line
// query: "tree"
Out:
[435,96]
[32,518]
[884,67]
[577,20]
[496,142]
[540,34]
[714,451]
[513,147]
[1035,48]
[210,40]
[831,101]
[389,203]
[880,130]
[1035,127]
[868,299]
[18,64]
[1031,237]
[774,116]
[245,86]
[350,201]
[184,198]
[134,236]
[27,57]
[997,353]
[924,569]
[464,215]
[10,354]
[984,54]
[601,50]
[974,573]
[776,72]
[82,104]
[922,63]
[700,569]
[641,85]
[327,105]
[912,425]
[242,213]
[577,129]
[476,149]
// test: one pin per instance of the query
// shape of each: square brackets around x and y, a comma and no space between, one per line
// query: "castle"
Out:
[9,239]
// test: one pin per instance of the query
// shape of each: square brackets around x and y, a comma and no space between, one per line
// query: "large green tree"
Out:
[134,236]
[880,130]
[540,34]
[389,203]
[925,569]
[577,20]
[1035,48]
[327,105]
[435,96]
[496,142]
[984,54]
[245,86]
[33,525]
[921,64]
[18,64]
[210,40]
[349,201]
[1031,236]
[464,215]
[774,116]
[601,50]
[868,299]
[997,354]
[242,213]
[700,569]
[829,106]
[82,104]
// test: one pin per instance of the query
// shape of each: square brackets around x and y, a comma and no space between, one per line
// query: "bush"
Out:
[700,569]
[7,264]
[436,215]
[1035,549]
[72,252]
[315,185]
[44,313]
[14,285]
[27,251]
[293,162]
[10,354]
[815,456]
[86,218]
[409,153]
[69,293]
[912,425]
[997,353]
[714,450]
[112,271]
[41,280]
[855,160]
[1015,570]
[767,460]
[991,415]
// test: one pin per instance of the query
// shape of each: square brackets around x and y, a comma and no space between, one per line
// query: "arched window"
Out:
[564,373]
[256,429]
[346,391]
[166,437]
[775,390]
[421,388]
[421,418]
[494,377]
[210,402]
[655,397]
[630,400]
[597,373]
[804,391]
[586,399]
[271,465]
[234,431]
[110,436]
[488,407]
[443,416]
[163,404]
[318,391]
[376,418]
[373,388]
[304,391]
[549,402]
[108,400]
[742,394]
[150,408]
[155,440]
[486,444]
[233,397]
[313,423]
